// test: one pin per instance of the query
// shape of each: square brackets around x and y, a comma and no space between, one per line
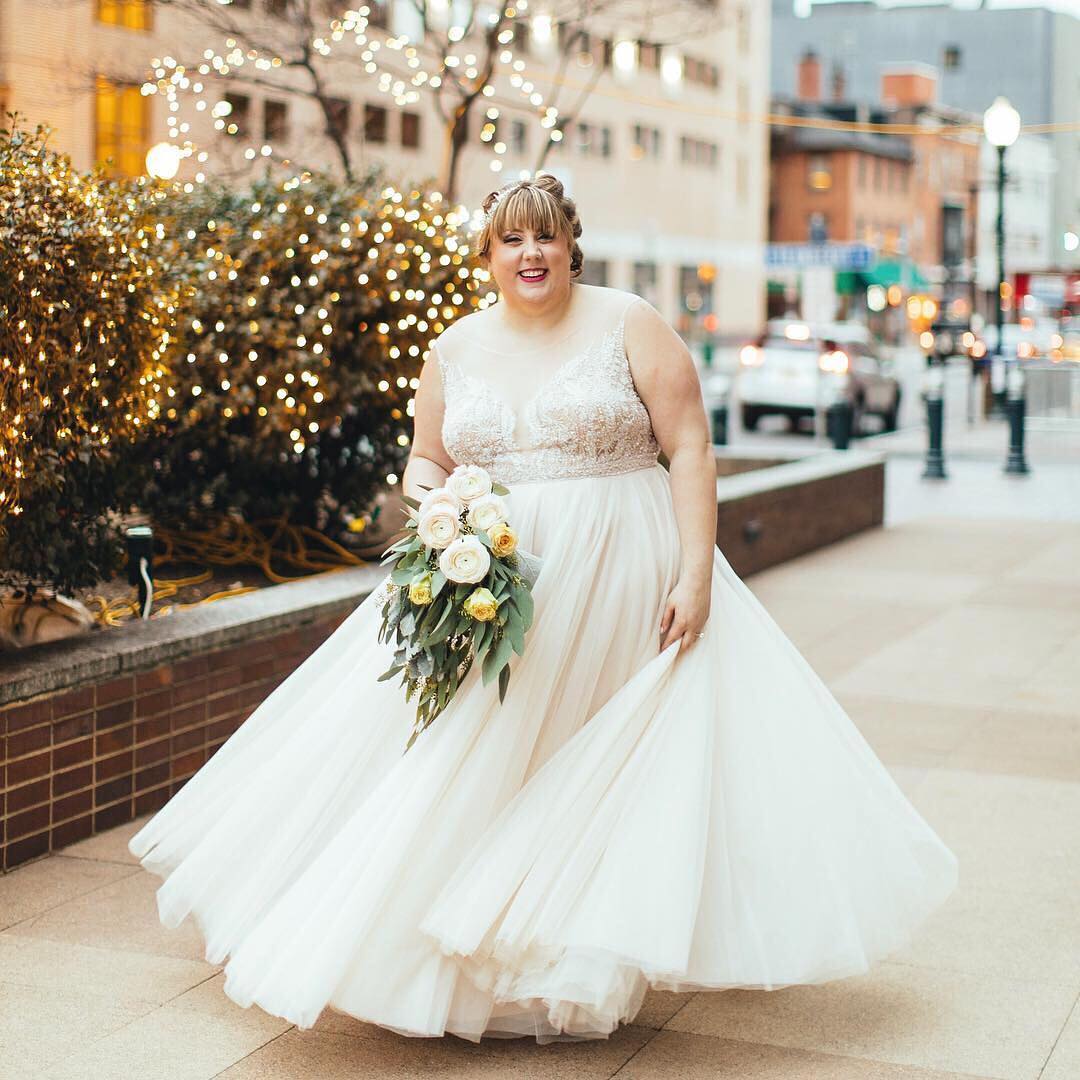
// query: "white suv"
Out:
[796,369]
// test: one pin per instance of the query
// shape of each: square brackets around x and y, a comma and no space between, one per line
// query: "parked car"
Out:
[795,369]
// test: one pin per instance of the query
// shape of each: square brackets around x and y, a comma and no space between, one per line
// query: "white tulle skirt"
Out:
[626,818]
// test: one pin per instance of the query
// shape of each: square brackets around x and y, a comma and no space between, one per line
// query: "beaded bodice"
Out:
[586,419]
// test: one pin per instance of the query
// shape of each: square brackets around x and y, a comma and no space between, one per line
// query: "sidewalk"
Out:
[953,645]
[977,485]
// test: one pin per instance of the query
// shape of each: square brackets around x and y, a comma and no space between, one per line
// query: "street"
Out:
[775,433]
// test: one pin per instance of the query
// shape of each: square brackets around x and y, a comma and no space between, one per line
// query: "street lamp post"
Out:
[1001,124]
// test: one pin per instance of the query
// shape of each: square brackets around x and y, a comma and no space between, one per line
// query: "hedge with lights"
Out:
[85,319]
[249,352]
[311,306]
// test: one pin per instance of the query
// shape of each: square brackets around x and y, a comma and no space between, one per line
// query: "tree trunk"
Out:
[453,144]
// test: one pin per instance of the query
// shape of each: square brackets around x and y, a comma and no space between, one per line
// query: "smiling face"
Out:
[530,266]
[529,249]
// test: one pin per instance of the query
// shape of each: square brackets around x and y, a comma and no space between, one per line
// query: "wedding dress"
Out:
[627,818]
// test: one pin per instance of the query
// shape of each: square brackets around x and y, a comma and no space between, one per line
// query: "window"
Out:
[605,142]
[951,60]
[275,121]
[817,228]
[121,127]
[375,117]
[519,136]
[132,14]
[410,130]
[648,56]
[646,142]
[644,283]
[695,294]
[819,172]
[238,122]
[337,117]
[594,272]
[584,138]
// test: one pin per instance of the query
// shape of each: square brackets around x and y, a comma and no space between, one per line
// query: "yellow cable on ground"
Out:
[297,549]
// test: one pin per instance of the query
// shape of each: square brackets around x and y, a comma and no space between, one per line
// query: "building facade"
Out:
[1028,55]
[667,158]
[911,197]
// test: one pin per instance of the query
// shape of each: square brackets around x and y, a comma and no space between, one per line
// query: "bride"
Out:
[668,796]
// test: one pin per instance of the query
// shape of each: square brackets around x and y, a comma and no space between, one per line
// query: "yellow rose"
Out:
[503,539]
[420,589]
[481,605]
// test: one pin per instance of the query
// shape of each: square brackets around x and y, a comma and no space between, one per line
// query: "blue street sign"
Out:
[835,256]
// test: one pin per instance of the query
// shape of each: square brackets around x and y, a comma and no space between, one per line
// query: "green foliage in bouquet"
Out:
[440,625]
[300,350]
[86,319]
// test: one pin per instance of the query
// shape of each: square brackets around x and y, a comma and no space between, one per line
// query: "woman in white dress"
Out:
[668,796]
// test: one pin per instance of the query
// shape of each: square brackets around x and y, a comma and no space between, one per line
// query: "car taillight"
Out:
[751,356]
[834,361]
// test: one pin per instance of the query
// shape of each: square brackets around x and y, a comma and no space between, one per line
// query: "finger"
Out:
[665,619]
[674,633]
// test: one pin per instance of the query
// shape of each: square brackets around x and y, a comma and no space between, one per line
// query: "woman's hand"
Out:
[685,613]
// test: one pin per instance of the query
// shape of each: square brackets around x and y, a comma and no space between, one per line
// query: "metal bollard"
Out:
[935,423]
[720,425]
[838,418]
[1015,407]
[140,549]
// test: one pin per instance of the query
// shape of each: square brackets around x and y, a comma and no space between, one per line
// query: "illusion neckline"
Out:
[511,414]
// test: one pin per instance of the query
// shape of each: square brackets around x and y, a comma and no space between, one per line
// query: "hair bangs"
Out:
[527,208]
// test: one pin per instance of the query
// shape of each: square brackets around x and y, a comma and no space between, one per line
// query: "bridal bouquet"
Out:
[460,590]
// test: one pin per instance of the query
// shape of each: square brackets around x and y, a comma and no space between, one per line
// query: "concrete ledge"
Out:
[771,513]
[138,646]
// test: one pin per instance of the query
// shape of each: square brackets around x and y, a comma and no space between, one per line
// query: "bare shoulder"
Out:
[464,327]
[650,340]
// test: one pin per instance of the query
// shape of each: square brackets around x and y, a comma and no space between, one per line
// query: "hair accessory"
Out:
[499,196]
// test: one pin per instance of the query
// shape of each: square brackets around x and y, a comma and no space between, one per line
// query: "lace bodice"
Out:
[586,419]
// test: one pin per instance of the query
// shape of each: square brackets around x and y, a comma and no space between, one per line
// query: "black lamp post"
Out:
[1001,124]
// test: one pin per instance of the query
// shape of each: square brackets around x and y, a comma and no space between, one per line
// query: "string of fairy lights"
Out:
[177,84]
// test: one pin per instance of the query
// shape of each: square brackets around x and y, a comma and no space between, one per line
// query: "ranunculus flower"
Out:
[465,561]
[469,482]
[485,512]
[439,525]
[503,539]
[481,605]
[420,589]
[438,495]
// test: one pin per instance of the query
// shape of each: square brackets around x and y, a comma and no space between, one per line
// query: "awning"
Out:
[900,272]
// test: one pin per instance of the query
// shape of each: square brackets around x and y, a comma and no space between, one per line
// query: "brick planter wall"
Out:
[83,760]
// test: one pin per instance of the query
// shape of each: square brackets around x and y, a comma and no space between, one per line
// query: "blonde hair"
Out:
[537,204]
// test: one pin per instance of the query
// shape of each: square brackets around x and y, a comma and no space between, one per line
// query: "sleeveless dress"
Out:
[626,818]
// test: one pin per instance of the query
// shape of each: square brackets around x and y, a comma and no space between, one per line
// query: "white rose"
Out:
[469,482]
[485,512]
[439,525]
[466,561]
[435,495]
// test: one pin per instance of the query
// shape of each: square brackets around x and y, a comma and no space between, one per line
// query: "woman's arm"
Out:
[667,382]
[429,463]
